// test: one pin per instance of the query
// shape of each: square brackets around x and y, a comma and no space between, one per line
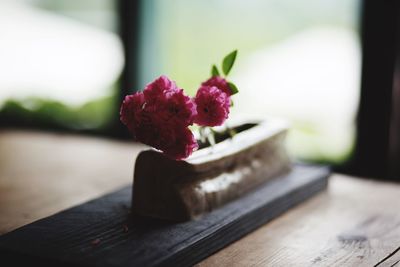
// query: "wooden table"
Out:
[356,222]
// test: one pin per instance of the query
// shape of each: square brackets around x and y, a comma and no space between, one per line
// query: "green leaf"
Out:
[214,71]
[233,88]
[228,61]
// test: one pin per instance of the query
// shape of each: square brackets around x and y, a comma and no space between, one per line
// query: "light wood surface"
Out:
[355,222]
[43,173]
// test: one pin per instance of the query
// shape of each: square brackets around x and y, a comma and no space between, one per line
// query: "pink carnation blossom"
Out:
[212,106]
[176,108]
[131,111]
[178,143]
[156,89]
[159,117]
[220,83]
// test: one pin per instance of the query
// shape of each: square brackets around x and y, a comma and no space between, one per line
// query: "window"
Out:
[60,63]
[298,60]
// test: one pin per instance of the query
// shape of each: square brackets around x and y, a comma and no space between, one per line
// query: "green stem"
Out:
[202,134]
[211,137]
[230,131]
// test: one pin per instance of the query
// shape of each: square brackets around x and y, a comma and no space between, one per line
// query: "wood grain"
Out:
[355,223]
[92,234]
[43,173]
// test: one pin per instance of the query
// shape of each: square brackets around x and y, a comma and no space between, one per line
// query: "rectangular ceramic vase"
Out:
[212,176]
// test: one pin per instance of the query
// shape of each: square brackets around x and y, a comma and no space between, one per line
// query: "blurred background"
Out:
[63,62]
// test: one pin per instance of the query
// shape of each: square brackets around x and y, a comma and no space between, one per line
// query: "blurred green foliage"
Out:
[93,116]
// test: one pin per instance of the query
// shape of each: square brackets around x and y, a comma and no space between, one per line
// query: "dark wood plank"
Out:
[102,232]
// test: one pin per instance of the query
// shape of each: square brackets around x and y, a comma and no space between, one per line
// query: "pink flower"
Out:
[131,110]
[156,89]
[176,108]
[219,82]
[212,106]
[178,143]
[159,117]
